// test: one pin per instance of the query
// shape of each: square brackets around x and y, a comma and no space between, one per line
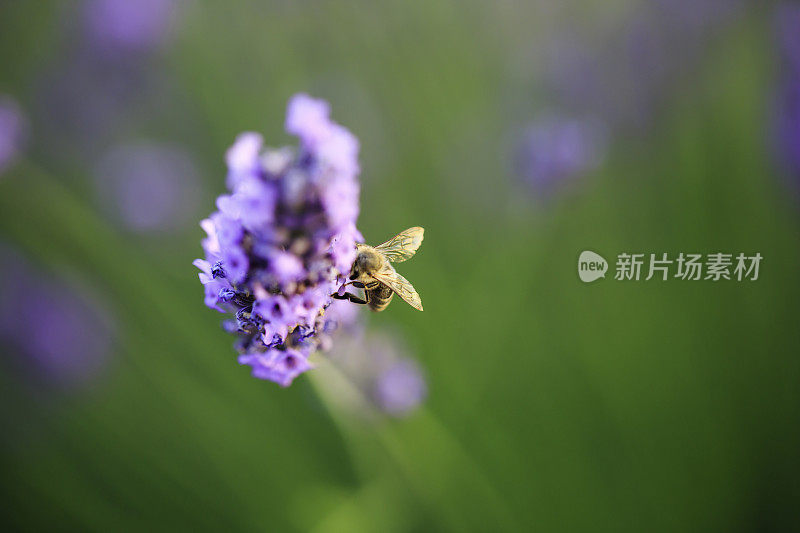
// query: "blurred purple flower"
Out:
[378,364]
[787,127]
[343,316]
[56,329]
[623,74]
[619,76]
[243,158]
[573,76]
[787,30]
[695,17]
[554,150]
[307,118]
[400,388]
[148,186]
[786,122]
[13,131]
[105,78]
[283,240]
[130,24]
[84,100]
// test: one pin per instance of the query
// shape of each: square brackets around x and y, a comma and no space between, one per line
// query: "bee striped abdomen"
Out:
[379,296]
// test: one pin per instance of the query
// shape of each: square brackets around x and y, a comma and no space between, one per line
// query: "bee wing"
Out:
[389,277]
[402,246]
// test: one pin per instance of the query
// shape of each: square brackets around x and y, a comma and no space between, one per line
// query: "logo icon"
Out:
[591,266]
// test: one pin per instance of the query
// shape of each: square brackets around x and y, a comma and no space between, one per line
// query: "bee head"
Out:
[366,262]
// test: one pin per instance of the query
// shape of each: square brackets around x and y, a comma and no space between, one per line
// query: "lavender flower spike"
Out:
[283,240]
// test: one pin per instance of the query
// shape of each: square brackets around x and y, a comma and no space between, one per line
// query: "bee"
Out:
[373,272]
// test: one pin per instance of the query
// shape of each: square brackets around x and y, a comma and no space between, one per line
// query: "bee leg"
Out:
[357,284]
[350,296]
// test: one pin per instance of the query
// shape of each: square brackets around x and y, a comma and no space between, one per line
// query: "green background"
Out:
[553,405]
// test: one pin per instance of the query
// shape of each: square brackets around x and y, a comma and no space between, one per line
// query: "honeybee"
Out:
[373,272]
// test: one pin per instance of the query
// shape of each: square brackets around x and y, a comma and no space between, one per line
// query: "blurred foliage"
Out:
[659,406]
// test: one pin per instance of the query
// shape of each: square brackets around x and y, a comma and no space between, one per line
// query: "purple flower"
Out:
[787,127]
[379,366]
[85,99]
[104,80]
[224,232]
[13,131]
[554,150]
[254,204]
[148,186]
[53,328]
[787,30]
[215,287]
[340,251]
[130,24]
[340,200]
[340,151]
[234,264]
[342,315]
[696,16]
[786,121]
[624,71]
[280,366]
[243,158]
[286,267]
[334,147]
[400,388]
[283,240]
[307,118]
